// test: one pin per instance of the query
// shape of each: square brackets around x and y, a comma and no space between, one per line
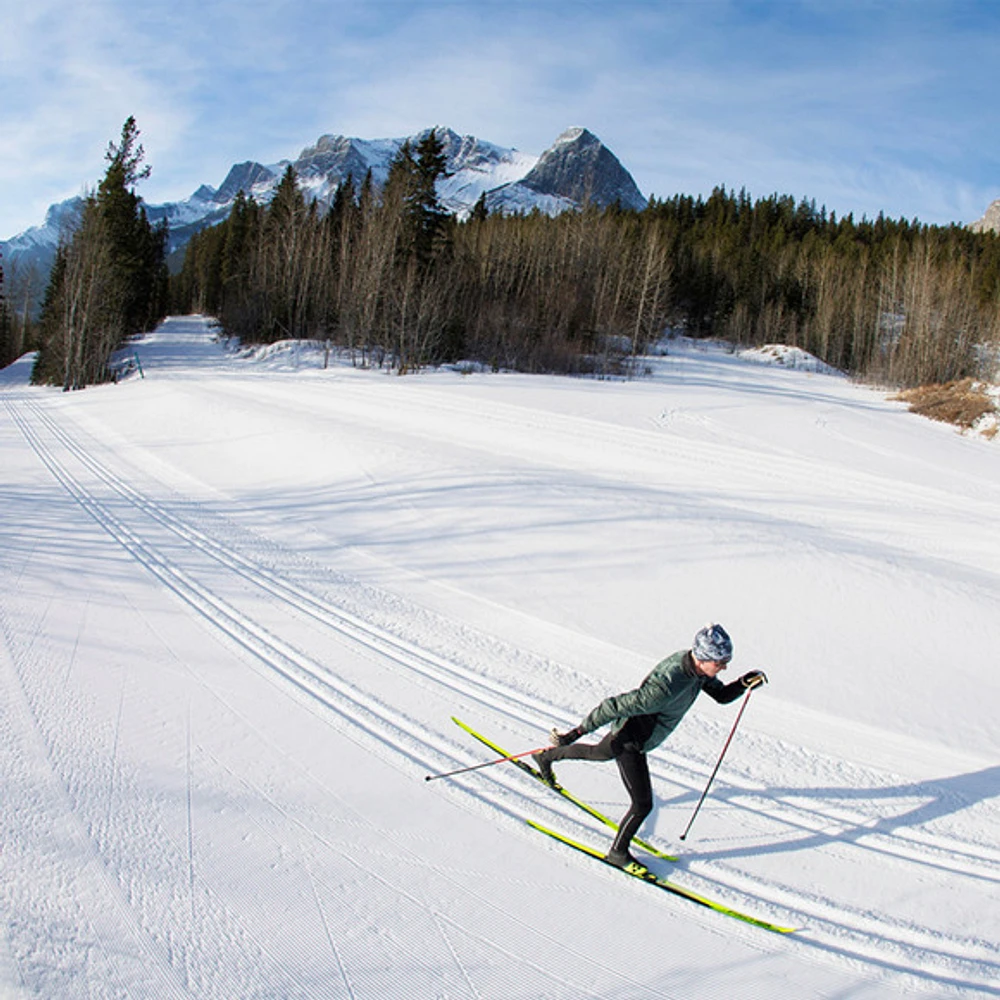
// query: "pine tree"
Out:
[6,326]
[136,249]
[428,218]
[110,277]
[480,213]
[236,246]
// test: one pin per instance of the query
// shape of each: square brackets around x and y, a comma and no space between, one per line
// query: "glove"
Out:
[564,739]
[753,678]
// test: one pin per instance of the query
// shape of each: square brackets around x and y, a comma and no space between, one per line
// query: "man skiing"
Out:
[642,719]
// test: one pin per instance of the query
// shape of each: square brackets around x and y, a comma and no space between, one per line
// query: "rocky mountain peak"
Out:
[579,167]
[243,177]
[990,221]
[577,134]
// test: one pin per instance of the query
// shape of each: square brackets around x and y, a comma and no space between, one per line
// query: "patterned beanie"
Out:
[712,643]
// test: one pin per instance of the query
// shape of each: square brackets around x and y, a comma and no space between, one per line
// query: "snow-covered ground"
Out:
[241,599]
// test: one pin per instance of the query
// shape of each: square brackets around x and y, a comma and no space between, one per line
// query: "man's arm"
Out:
[723,693]
[641,701]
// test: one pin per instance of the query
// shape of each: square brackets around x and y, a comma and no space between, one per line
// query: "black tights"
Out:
[625,749]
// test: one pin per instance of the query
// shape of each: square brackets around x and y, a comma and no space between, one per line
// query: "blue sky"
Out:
[865,106]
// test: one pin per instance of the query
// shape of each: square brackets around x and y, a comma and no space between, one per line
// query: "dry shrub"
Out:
[961,403]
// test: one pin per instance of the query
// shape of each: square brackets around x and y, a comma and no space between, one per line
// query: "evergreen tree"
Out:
[428,218]
[137,251]
[411,193]
[7,354]
[236,245]
[480,213]
[110,277]
[366,196]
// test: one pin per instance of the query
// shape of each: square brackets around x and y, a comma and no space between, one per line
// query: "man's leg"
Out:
[607,749]
[625,748]
[635,774]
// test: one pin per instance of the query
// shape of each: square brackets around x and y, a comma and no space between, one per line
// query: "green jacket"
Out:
[667,693]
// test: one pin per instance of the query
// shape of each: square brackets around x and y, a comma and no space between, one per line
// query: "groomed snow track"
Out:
[384,675]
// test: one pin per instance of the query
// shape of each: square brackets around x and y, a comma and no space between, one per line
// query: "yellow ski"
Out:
[569,796]
[645,875]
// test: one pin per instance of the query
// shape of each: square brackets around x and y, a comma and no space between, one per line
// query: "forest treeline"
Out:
[393,279]
[7,324]
[109,279]
[388,275]
[19,288]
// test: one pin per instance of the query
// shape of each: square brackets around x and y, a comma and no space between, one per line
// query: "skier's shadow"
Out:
[938,798]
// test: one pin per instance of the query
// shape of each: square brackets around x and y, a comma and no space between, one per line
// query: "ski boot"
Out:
[544,765]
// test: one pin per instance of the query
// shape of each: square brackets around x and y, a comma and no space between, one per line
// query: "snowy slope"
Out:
[242,597]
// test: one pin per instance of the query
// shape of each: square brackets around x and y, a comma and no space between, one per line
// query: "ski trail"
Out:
[836,928]
[516,705]
[439,924]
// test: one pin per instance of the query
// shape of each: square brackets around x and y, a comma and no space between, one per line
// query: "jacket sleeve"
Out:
[644,700]
[723,693]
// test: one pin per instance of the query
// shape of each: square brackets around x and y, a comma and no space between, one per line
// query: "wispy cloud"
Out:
[865,106]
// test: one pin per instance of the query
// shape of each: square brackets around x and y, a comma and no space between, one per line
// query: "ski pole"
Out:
[718,763]
[489,763]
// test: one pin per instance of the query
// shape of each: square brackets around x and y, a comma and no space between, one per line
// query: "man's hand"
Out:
[753,678]
[564,739]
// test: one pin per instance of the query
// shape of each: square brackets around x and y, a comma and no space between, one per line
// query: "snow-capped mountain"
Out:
[474,166]
[36,247]
[577,167]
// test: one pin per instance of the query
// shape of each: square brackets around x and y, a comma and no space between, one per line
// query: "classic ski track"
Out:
[415,745]
[304,673]
[957,857]
[276,655]
[860,942]
[405,653]
[905,846]
[838,928]
[514,704]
